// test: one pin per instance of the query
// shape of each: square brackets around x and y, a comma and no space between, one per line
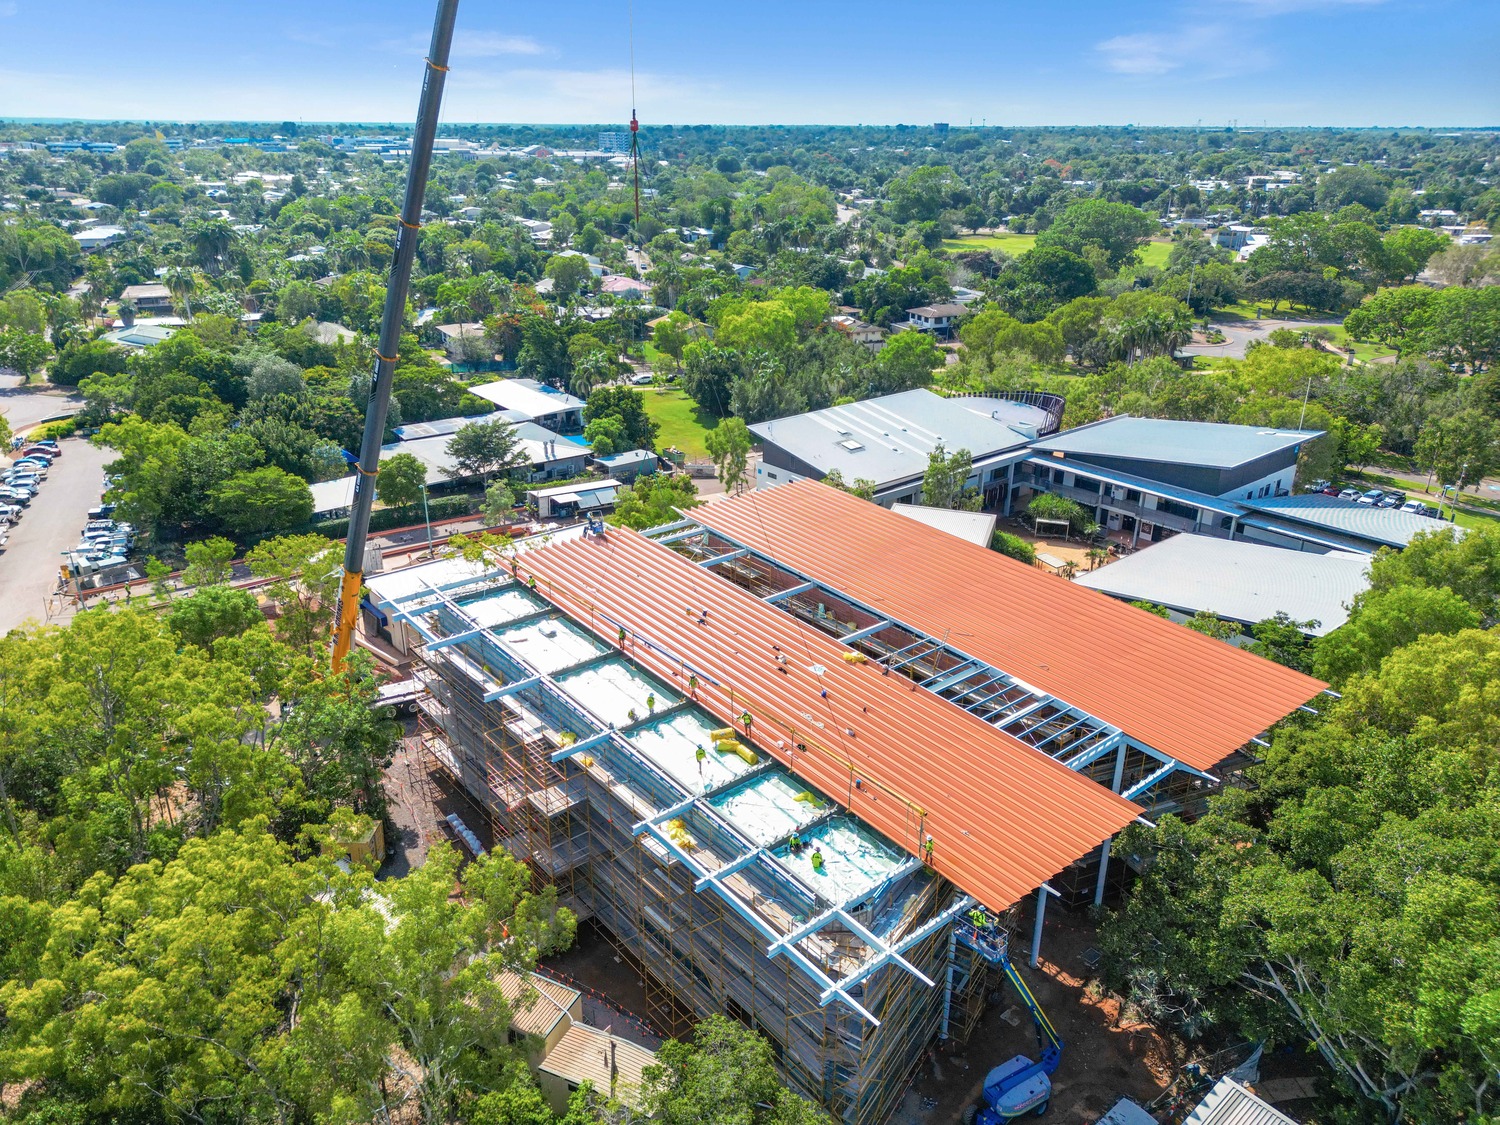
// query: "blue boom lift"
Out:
[1020,1085]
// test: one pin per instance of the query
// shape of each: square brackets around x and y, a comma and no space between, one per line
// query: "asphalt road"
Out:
[25,406]
[1240,334]
[51,525]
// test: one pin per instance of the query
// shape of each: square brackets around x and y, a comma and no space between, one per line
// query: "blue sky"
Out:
[1014,62]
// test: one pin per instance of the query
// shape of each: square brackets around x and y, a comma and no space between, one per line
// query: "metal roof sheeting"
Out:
[1184,694]
[1389,526]
[890,438]
[1245,582]
[1004,816]
[615,1066]
[1229,1103]
[1171,442]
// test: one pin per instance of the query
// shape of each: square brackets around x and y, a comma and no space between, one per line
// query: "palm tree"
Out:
[1097,557]
[182,285]
[212,240]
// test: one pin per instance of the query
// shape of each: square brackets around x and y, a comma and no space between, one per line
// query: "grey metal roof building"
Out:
[1212,444]
[1362,526]
[1238,581]
[888,440]
[1235,462]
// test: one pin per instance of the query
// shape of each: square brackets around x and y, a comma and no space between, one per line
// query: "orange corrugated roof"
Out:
[1004,816]
[1184,694]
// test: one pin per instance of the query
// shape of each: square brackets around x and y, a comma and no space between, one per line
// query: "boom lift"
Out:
[390,329]
[1020,1085]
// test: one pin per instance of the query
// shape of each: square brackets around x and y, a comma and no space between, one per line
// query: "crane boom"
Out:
[390,327]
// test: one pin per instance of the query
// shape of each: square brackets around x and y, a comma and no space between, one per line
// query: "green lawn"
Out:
[1154,253]
[682,421]
[1011,243]
[1364,352]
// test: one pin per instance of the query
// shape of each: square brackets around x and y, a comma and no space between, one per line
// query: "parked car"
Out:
[1331,490]
[1318,486]
[1413,506]
[642,380]
[1371,498]
[1349,494]
[39,451]
[102,512]
[1432,511]
[10,513]
[14,496]
[1393,500]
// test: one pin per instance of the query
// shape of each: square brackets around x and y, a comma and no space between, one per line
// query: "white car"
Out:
[642,380]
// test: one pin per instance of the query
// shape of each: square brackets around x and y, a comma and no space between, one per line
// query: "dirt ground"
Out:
[421,796]
[1105,1057]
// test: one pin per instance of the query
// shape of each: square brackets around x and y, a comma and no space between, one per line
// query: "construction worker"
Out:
[693,686]
[622,636]
[927,851]
[817,860]
[978,918]
[747,719]
[651,702]
[795,844]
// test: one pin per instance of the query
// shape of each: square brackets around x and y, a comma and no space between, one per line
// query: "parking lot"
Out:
[49,526]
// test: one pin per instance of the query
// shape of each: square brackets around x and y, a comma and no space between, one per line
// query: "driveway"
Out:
[51,525]
[25,406]
[1241,333]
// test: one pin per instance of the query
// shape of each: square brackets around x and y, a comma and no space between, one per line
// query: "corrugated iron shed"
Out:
[1184,694]
[1003,817]
[615,1066]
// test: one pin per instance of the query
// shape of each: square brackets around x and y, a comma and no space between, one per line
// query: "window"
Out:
[1132,496]
[772,476]
[1177,508]
[1226,523]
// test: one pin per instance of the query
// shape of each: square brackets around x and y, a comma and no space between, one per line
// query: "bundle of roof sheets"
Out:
[1189,696]
[1002,817]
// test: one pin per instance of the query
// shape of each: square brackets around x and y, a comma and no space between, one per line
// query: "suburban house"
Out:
[530,401]
[97,238]
[870,335]
[460,341]
[888,441]
[940,320]
[624,287]
[139,335]
[147,299]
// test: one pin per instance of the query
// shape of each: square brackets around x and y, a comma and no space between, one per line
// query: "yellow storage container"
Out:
[723,733]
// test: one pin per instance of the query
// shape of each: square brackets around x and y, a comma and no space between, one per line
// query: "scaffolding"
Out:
[694,852]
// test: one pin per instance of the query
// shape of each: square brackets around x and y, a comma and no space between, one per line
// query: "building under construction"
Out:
[780,750]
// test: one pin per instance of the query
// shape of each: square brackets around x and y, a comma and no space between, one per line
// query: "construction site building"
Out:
[779,801]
